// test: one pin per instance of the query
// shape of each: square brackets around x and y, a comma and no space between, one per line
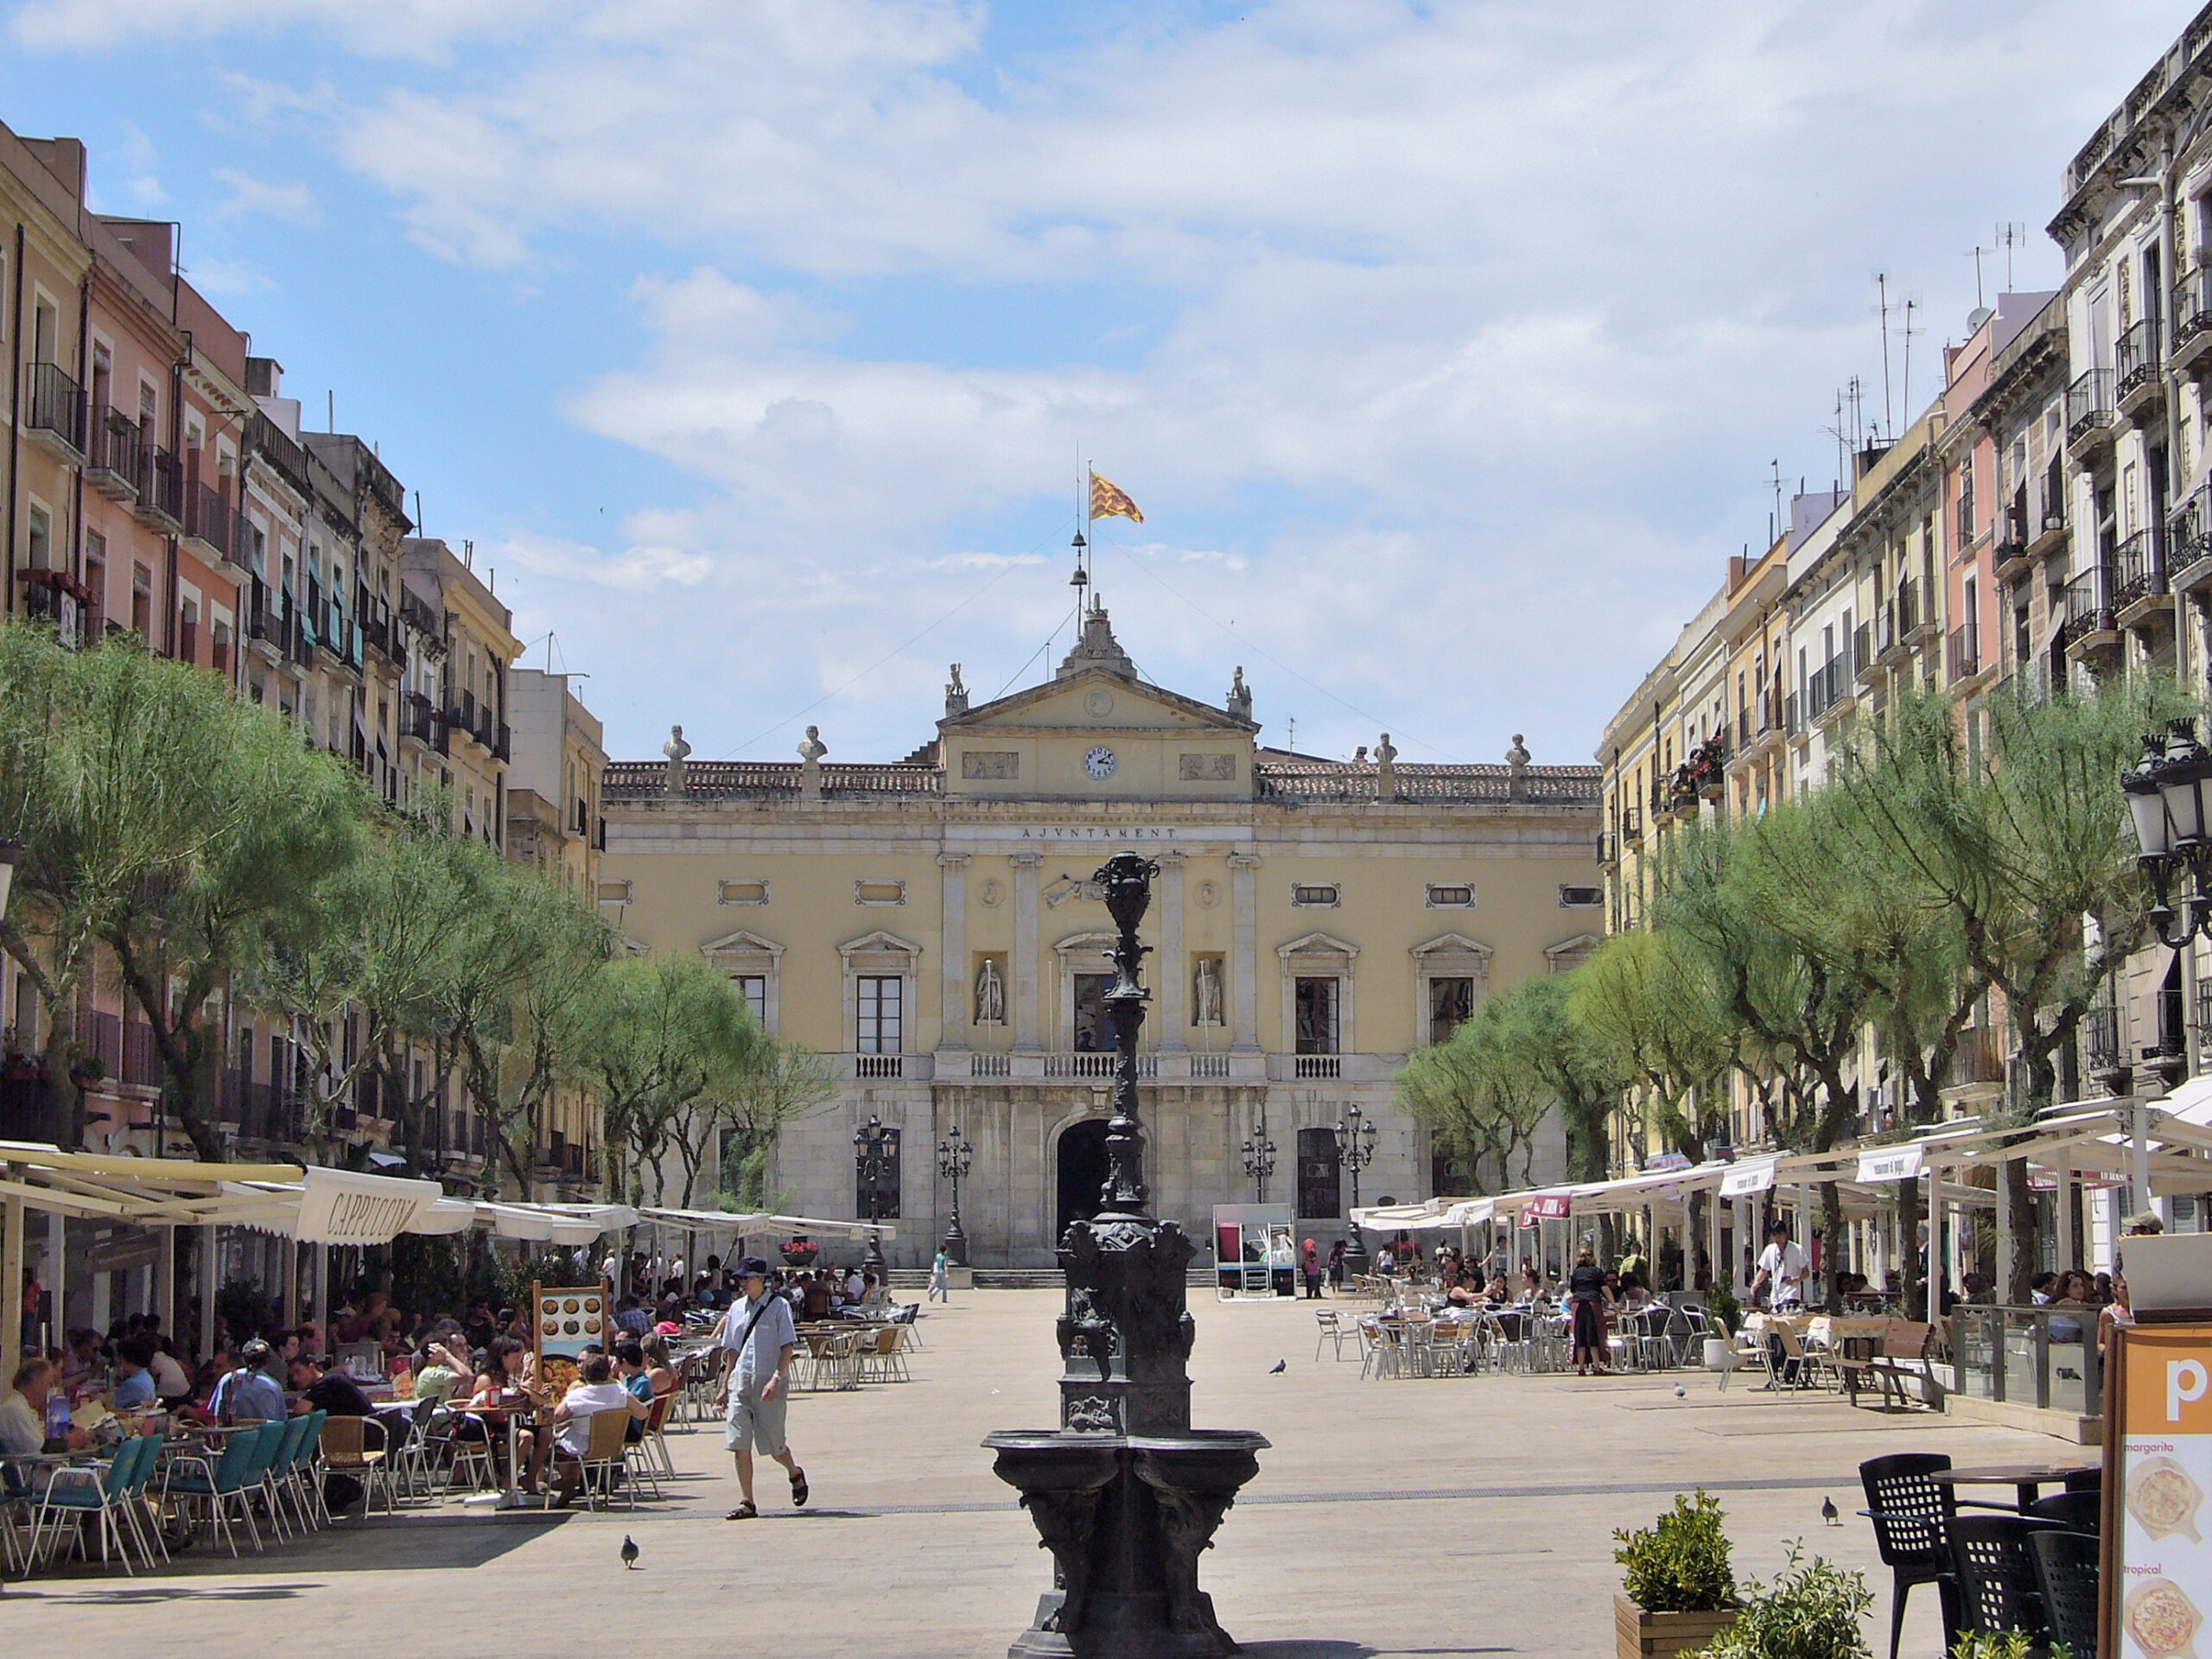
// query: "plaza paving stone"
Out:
[1429,1517]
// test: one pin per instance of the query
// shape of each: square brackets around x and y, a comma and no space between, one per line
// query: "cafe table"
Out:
[513,1497]
[2027,1479]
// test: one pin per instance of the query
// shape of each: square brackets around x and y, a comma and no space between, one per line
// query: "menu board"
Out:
[570,1321]
[2157,1592]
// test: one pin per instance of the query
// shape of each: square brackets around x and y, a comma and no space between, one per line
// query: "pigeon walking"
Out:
[629,1552]
[1828,1512]
[1279,1366]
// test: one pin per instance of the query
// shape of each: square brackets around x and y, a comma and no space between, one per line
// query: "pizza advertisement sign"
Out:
[2158,1596]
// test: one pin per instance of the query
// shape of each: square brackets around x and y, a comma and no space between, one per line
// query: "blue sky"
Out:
[757,345]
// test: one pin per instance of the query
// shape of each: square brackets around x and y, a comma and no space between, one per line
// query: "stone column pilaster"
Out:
[952,1028]
[1244,972]
[1173,978]
[1025,951]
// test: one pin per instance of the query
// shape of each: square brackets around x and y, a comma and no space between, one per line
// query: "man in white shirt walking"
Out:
[1782,1269]
[757,1341]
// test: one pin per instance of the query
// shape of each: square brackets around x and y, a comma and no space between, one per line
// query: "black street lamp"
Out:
[872,1159]
[1355,1151]
[954,1157]
[2166,799]
[1260,1157]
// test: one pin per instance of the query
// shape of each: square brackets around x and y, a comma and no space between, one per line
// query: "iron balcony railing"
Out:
[1963,652]
[2090,602]
[114,447]
[53,403]
[2192,307]
[2139,567]
[160,483]
[2101,1037]
[2189,532]
[2051,506]
[207,518]
[2088,403]
[2137,361]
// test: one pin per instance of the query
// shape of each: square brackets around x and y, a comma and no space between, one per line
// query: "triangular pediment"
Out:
[741,942]
[1452,944]
[1089,700]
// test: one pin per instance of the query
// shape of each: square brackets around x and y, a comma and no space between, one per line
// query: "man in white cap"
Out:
[757,1341]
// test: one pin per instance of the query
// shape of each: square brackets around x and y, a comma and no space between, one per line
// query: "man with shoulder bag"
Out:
[757,1341]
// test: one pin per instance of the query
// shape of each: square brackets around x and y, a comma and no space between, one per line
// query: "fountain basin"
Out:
[1126,1517]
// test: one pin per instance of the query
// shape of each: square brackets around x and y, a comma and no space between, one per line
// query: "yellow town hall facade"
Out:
[931,927]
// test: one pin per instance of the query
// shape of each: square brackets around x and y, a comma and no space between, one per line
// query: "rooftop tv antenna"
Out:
[2009,237]
[1882,289]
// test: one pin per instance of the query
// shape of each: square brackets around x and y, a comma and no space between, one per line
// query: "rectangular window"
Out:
[753,987]
[877,1027]
[879,892]
[141,601]
[877,1199]
[725,893]
[1314,896]
[1319,1185]
[1451,1002]
[96,586]
[1316,1009]
[1574,898]
[38,540]
[1094,1029]
[1450,896]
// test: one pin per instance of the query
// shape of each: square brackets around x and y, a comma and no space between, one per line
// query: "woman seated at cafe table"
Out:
[134,1375]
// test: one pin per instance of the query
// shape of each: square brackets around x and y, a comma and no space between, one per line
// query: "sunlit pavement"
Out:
[1458,1516]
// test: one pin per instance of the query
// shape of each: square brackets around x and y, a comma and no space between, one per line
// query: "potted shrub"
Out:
[800,1252]
[1724,1315]
[1807,1611]
[1677,1590]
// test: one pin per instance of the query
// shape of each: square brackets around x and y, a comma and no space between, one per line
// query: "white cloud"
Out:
[384,27]
[641,567]
[294,204]
[1470,331]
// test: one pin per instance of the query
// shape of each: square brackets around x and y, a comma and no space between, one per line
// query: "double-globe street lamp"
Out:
[875,1152]
[954,1157]
[2166,795]
[1260,1157]
[1355,1151]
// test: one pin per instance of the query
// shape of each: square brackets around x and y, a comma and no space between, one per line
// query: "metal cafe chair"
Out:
[1912,1514]
[2066,1565]
[1998,1590]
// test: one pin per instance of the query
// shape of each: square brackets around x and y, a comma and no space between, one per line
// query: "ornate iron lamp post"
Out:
[954,1157]
[872,1160]
[1355,1151]
[1260,1157]
[1125,1493]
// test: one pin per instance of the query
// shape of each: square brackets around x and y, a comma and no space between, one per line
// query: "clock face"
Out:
[1099,763]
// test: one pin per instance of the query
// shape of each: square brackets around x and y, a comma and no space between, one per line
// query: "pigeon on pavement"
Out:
[1280,1366]
[629,1552]
[1829,1512]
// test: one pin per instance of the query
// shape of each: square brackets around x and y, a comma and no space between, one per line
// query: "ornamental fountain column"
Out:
[1125,1493]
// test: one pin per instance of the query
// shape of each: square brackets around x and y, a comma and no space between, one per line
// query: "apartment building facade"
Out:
[160,483]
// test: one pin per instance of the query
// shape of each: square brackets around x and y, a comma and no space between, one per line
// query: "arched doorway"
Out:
[1083,1172]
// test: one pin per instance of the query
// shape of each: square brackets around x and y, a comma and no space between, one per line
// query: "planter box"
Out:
[1654,1636]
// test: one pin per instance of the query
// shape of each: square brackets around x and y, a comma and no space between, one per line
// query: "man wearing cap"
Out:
[248,1394]
[757,1341]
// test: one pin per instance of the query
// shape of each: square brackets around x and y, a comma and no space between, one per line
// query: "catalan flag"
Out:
[1108,501]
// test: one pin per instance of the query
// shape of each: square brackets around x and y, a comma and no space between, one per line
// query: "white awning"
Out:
[446,1216]
[1890,1163]
[344,1206]
[1745,1179]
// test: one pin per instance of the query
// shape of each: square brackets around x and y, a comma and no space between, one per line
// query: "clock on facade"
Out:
[1099,763]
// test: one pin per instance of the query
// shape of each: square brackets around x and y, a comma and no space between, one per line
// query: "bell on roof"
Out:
[1081,579]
